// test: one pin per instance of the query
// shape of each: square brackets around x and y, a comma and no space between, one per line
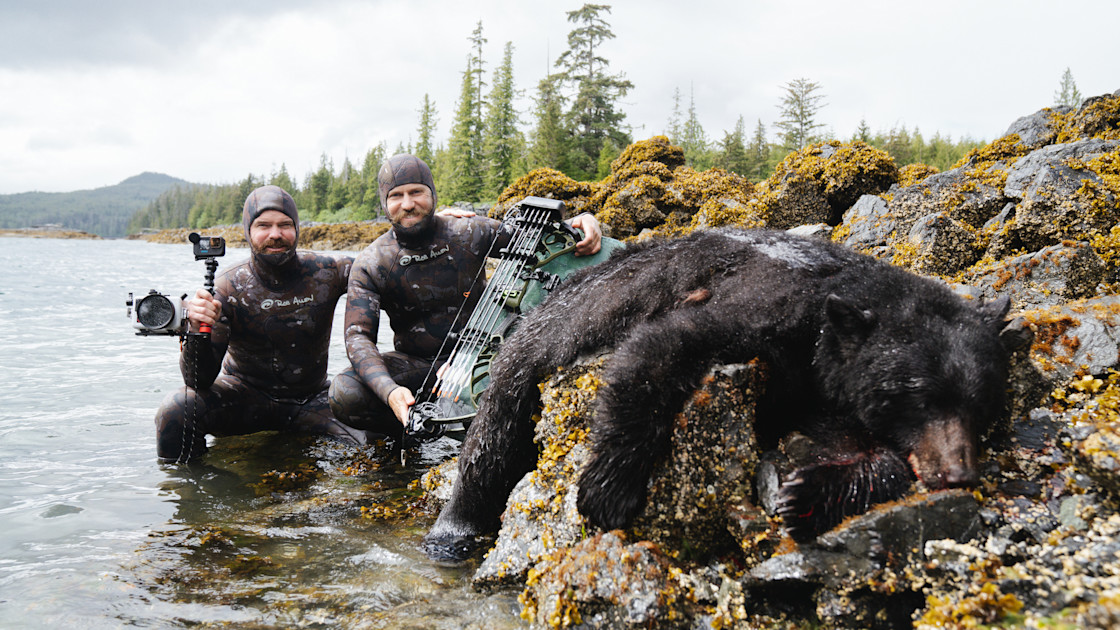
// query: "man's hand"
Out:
[455,211]
[592,234]
[203,309]
[400,399]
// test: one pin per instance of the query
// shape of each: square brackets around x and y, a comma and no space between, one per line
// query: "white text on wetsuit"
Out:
[269,303]
[409,259]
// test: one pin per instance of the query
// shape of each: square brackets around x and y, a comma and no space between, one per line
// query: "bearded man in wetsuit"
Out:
[271,320]
[420,273]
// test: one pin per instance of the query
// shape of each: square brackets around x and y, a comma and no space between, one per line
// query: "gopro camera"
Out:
[157,314]
[207,246]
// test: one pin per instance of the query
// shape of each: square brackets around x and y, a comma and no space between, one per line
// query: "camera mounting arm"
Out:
[208,248]
[211,269]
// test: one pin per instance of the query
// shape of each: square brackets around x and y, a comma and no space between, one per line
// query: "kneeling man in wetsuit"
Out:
[420,273]
[271,322]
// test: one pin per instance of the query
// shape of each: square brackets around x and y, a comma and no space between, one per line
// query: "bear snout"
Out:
[944,455]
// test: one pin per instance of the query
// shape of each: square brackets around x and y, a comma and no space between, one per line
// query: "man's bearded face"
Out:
[272,237]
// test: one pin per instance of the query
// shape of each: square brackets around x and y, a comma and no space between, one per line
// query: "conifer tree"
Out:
[758,154]
[608,153]
[282,179]
[694,140]
[673,128]
[549,137]
[593,115]
[319,185]
[477,40]
[863,132]
[899,145]
[370,206]
[733,150]
[464,158]
[503,142]
[1067,93]
[338,197]
[799,109]
[426,130]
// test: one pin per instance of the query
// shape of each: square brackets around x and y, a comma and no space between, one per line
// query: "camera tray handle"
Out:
[211,269]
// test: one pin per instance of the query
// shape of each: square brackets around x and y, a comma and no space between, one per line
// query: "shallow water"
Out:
[266,531]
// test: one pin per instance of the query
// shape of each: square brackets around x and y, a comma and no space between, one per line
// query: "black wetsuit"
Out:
[421,286]
[271,348]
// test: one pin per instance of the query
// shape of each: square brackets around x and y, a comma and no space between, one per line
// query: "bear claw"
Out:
[815,498]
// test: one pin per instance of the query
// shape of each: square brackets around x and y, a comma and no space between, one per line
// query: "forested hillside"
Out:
[103,211]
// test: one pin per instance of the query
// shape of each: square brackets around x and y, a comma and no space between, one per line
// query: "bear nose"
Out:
[960,475]
[945,455]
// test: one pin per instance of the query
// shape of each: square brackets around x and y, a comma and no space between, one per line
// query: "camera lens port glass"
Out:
[155,311]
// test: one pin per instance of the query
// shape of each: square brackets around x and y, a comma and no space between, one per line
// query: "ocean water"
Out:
[269,530]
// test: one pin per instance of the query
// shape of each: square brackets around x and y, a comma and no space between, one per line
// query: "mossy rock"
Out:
[915,173]
[819,183]
[548,183]
[656,149]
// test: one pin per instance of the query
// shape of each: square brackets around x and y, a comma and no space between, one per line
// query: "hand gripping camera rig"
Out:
[160,314]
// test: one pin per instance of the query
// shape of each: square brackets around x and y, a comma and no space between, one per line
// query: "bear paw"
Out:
[814,499]
[450,549]
[805,502]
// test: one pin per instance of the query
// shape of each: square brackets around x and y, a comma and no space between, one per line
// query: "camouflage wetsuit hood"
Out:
[271,266]
[402,169]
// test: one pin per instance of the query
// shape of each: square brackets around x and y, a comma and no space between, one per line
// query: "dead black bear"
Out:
[895,373]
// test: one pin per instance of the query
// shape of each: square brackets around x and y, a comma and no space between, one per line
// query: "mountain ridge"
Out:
[104,211]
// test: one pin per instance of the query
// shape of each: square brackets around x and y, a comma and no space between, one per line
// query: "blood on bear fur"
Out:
[895,373]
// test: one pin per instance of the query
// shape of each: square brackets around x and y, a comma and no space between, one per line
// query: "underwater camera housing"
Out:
[157,314]
[161,314]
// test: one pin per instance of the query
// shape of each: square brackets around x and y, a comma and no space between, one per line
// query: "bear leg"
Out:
[649,378]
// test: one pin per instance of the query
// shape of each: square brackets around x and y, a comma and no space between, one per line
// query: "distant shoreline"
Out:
[348,236]
[48,232]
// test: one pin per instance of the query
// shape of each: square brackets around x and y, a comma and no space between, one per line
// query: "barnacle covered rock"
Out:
[819,183]
[692,494]
[548,183]
[1049,276]
[1065,191]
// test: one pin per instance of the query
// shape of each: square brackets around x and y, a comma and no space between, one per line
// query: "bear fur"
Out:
[894,373]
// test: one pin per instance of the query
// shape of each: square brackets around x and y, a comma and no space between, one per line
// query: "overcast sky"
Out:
[212,90]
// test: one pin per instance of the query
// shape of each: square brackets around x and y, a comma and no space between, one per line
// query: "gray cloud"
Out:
[77,33]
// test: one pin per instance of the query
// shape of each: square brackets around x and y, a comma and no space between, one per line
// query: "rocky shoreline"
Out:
[1034,216]
[351,237]
[48,232]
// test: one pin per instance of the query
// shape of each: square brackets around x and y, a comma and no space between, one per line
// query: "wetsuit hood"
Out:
[402,169]
[270,198]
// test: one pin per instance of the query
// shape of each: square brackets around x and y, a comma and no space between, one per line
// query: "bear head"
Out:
[923,376]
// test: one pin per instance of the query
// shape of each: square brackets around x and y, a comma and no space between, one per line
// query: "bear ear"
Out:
[1016,336]
[997,310]
[847,318]
[1013,335]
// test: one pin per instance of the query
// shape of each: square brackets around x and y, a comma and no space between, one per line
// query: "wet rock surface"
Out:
[1034,216]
